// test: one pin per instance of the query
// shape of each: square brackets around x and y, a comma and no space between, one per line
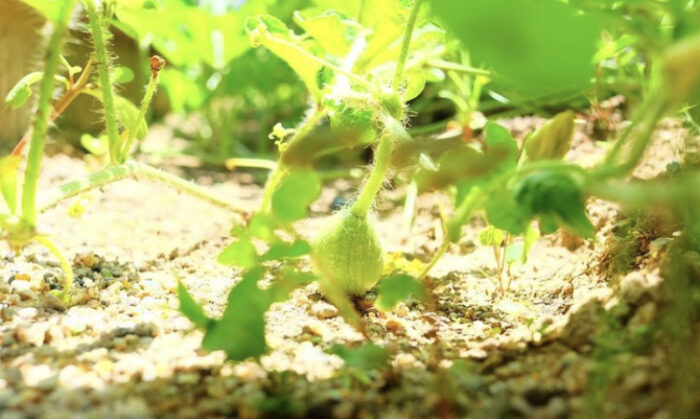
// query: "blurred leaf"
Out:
[240,253]
[262,226]
[51,9]
[334,32]
[553,139]
[127,113]
[462,163]
[396,288]
[190,308]
[415,83]
[367,357]
[184,93]
[352,125]
[122,74]
[504,212]
[497,137]
[555,195]
[491,236]
[530,237]
[21,91]
[534,45]
[680,68]
[284,250]
[241,330]
[297,191]
[278,38]
[9,168]
[186,34]
[97,146]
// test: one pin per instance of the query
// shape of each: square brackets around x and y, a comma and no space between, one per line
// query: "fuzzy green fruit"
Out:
[348,254]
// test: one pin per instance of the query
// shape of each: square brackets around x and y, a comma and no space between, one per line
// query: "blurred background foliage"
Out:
[541,57]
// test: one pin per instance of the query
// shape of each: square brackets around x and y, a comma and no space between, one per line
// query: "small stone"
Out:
[404,360]
[51,302]
[395,327]
[27,313]
[324,310]
[75,325]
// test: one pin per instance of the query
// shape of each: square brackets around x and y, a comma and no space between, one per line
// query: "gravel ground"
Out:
[123,349]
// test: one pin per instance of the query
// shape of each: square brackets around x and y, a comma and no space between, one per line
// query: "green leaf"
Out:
[529,239]
[21,91]
[553,139]
[9,168]
[284,250]
[463,163]
[352,125]
[298,190]
[262,226]
[533,45]
[367,357]
[240,253]
[51,9]
[396,288]
[504,212]
[241,330]
[277,37]
[97,146]
[334,32]
[498,137]
[122,74]
[491,236]
[555,195]
[190,308]
[126,112]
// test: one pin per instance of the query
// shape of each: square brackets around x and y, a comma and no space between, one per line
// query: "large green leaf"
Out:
[555,196]
[395,288]
[274,35]
[241,330]
[190,308]
[292,198]
[553,139]
[538,46]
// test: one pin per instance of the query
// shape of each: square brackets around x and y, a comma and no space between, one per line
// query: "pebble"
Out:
[324,310]
[27,313]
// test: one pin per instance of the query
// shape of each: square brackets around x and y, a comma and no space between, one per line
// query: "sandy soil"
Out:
[123,350]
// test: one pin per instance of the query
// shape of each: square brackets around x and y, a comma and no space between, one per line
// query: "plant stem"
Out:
[103,71]
[382,160]
[405,45]
[61,104]
[447,65]
[235,162]
[41,120]
[452,226]
[145,103]
[636,137]
[136,170]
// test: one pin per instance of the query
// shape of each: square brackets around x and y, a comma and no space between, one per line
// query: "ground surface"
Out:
[123,350]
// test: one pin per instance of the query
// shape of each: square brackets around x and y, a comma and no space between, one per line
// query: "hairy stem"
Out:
[145,104]
[103,72]
[41,120]
[135,170]
[61,104]
[405,45]
[382,160]
[630,147]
